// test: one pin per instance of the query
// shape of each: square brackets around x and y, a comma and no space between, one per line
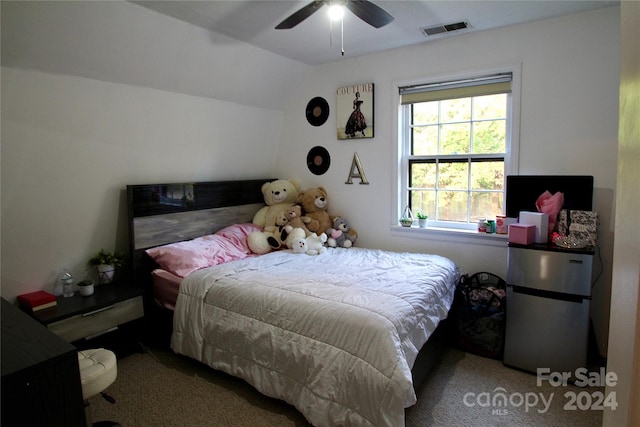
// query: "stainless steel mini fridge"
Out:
[548,301]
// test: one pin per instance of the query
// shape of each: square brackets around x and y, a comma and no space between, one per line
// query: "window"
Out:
[455,148]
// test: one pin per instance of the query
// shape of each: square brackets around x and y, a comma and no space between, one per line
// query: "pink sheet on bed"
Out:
[165,288]
[182,258]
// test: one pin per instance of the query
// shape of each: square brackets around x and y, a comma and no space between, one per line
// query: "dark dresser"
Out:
[40,375]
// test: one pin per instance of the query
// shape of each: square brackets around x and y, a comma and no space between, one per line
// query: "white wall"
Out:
[70,145]
[97,95]
[568,125]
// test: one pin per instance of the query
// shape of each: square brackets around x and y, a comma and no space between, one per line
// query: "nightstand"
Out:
[110,318]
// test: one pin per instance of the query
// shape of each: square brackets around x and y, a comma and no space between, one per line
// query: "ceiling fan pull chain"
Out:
[342,35]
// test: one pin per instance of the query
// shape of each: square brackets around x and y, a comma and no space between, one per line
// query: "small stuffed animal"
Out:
[299,245]
[281,221]
[296,219]
[293,234]
[315,203]
[341,235]
[312,245]
[279,233]
[315,244]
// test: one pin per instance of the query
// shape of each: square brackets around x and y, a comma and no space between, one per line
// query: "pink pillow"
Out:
[186,257]
[238,233]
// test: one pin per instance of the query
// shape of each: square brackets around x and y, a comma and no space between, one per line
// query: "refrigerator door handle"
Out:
[548,294]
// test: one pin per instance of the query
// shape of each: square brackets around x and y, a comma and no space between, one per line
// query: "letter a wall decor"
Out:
[356,171]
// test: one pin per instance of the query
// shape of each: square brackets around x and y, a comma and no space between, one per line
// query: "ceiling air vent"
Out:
[443,29]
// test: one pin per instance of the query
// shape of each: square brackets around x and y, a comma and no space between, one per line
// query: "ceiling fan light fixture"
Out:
[336,12]
[363,9]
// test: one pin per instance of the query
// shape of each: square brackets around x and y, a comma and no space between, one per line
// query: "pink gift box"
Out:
[524,234]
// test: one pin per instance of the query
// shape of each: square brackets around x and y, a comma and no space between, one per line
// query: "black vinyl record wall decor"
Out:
[318,160]
[317,111]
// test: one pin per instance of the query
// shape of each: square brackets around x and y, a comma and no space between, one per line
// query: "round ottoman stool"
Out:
[98,370]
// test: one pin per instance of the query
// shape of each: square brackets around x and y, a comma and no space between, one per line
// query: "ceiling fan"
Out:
[363,9]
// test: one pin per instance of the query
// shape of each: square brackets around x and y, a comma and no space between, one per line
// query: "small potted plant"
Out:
[86,287]
[106,264]
[422,219]
[407,217]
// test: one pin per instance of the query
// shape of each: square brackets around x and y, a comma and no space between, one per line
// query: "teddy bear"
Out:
[341,235]
[315,203]
[279,231]
[299,245]
[296,219]
[283,232]
[278,196]
[311,245]
[292,234]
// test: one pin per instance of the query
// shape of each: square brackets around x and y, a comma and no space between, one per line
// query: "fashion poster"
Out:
[354,112]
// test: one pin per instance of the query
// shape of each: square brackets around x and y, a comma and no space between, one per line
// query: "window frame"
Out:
[401,160]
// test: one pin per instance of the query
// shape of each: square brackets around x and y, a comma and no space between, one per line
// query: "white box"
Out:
[540,220]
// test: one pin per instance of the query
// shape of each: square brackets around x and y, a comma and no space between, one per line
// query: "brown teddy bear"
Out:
[315,203]
[297,220]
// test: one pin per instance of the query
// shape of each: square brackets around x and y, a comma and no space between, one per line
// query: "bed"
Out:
[344,336]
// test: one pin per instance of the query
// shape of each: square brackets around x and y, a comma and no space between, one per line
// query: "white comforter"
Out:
[335,335]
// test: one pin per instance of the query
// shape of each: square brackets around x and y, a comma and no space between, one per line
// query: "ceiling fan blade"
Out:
[300,15]
[369,13]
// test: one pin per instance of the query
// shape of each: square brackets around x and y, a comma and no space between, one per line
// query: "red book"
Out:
[37,300]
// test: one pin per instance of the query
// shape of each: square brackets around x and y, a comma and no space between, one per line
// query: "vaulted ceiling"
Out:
[316,40]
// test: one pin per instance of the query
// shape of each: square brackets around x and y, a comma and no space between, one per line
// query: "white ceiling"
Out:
[315,41]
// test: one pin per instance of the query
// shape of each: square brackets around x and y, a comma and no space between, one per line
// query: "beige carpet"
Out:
[159,388]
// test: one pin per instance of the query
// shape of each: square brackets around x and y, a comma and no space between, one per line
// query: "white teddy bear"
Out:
[278,196]
[312,245]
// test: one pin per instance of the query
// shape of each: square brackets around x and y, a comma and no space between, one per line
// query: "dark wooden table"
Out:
[40,375]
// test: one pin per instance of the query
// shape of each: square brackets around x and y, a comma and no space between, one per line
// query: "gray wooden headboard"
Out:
[166,213]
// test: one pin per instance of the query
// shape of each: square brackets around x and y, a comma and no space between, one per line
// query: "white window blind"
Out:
[479,86]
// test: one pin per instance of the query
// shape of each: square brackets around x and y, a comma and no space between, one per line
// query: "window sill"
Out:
[450,235]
